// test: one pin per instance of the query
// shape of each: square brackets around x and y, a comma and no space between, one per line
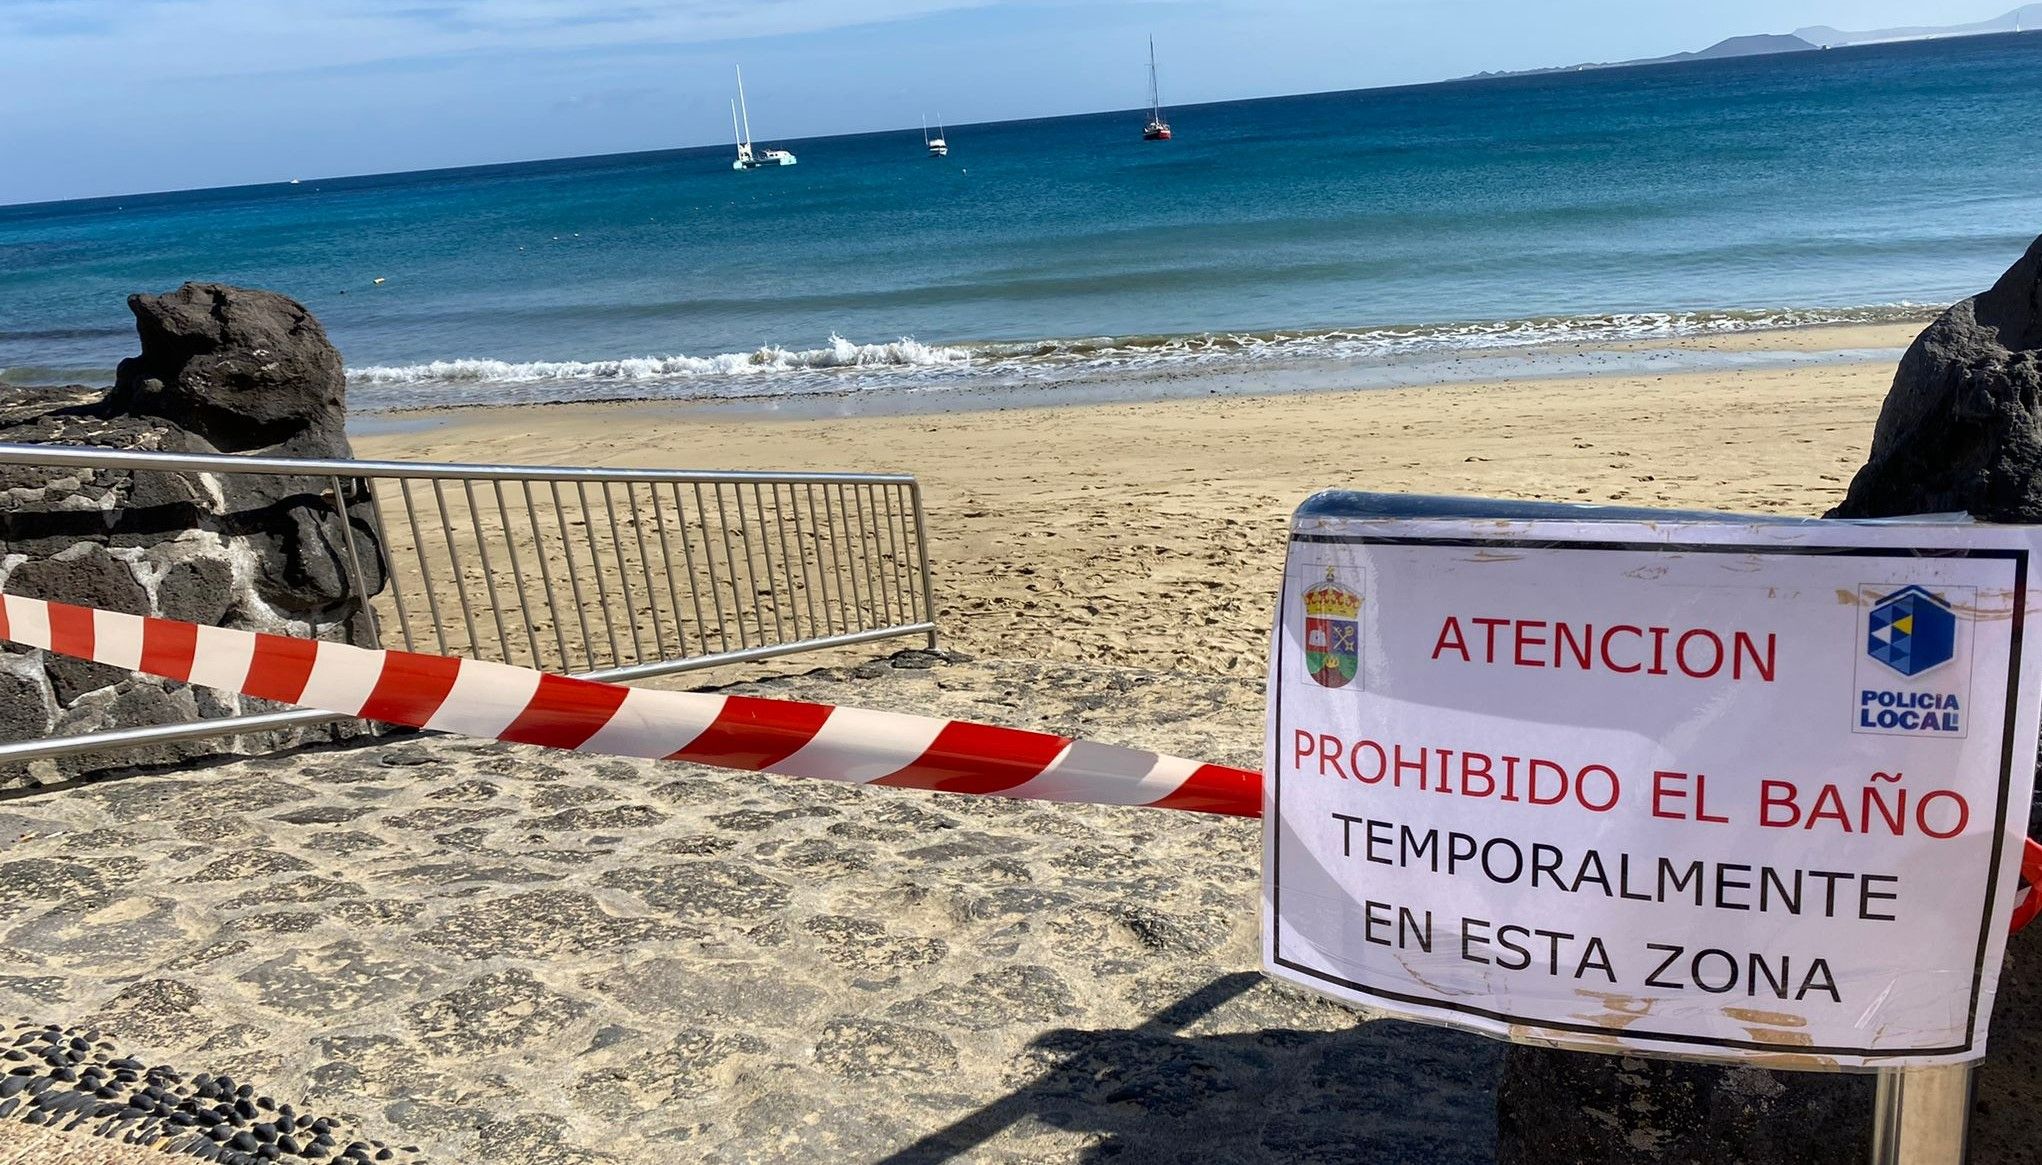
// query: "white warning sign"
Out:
[1736,791]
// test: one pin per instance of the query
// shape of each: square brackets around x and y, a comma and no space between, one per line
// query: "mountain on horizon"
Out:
[2026,18]
[1757,45]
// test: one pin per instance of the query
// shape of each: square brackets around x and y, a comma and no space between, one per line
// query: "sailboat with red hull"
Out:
[1157,130]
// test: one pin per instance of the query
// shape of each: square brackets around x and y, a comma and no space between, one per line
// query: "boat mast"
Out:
[747,113]
[925,129]
[1155,95]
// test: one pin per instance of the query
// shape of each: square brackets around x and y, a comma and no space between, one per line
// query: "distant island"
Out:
[2025,18]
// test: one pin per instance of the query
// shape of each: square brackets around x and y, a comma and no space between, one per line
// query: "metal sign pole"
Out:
[1920,1115]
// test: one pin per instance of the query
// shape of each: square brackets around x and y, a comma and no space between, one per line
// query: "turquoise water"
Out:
[1348,228]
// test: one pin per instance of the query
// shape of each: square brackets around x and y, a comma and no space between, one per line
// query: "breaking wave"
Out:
[1395,339]
[908,365]
[839,353]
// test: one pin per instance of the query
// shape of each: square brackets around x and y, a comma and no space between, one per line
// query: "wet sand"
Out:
[1149,534]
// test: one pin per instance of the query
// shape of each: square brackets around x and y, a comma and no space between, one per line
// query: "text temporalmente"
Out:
[1538,865]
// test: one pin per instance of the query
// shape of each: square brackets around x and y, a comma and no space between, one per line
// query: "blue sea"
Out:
[1345,237]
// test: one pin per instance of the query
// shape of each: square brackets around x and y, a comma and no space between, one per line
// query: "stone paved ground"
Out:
[499,953]
[22,1144]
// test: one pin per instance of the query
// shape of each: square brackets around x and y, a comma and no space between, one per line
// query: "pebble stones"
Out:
[74,1079]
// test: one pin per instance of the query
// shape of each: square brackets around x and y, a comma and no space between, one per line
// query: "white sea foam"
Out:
[1485,335]
[840,353]
[909,365]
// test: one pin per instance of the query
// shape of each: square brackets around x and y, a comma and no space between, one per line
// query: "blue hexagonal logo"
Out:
[1912,631]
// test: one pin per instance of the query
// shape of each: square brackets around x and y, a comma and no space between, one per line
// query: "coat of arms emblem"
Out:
[1332,633]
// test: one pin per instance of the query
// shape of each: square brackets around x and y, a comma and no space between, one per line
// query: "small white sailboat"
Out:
[937,147]
[1157,130]
[747,158]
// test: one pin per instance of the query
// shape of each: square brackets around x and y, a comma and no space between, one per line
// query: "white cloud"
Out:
[236,37]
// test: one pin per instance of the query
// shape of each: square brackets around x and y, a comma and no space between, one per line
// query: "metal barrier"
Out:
[615,574]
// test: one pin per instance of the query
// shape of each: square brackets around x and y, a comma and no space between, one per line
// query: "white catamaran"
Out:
[937,147]
[742,129]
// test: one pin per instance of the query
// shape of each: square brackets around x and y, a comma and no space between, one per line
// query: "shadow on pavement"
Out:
[1381,1091]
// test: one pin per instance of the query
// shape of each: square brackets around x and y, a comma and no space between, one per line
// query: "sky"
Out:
[101,97]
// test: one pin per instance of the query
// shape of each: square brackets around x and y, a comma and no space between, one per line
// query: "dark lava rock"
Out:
[2002,1112]
[1961,429]
[24,709]
[243,369]
[88,576]
[221,369]
[198,591]
[134,704]
[1578,1106]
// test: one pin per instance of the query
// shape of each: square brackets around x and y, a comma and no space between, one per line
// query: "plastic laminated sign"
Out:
[1736,790]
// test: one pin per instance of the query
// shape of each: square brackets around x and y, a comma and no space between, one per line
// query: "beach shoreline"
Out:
[1778,348]
[1149,533]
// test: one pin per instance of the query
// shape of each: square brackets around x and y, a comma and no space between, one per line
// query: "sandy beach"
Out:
[495,952]
[506,363]
[1147,534]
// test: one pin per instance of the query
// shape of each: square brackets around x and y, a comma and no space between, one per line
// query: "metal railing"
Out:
[614,574]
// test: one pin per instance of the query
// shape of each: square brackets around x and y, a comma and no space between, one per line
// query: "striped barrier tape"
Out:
[2029,904]
[793,738]
[525,706]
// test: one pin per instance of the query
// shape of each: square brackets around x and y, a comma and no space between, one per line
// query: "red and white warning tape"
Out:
[2029,904]
[525,706]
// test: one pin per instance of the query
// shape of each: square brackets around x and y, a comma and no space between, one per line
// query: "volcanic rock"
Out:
[221,369]
[1961,429]
[244,370]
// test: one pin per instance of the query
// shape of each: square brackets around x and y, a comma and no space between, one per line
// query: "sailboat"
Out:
[936,146]
[746,158]
[1157,130]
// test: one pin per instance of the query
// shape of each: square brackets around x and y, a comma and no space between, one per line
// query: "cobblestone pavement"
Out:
[506,954]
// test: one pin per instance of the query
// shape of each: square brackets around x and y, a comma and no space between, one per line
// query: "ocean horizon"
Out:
[1333,236]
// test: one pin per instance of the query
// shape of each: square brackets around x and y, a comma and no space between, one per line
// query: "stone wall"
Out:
[221,370]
